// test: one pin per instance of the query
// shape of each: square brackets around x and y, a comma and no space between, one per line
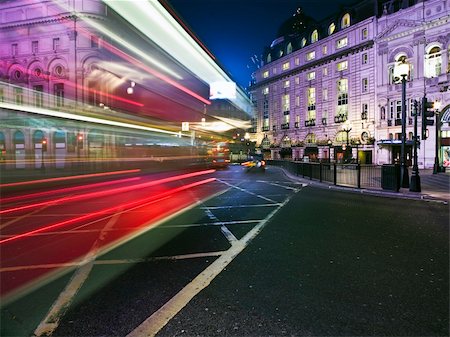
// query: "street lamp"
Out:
[401,71]
[436,169]
[415,177]
[329,150]
[346,127]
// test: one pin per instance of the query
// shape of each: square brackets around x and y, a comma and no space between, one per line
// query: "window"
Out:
[94,41]
[286,84]
[345,22]
[364,110]
[303,42]
[18,95]
[342,66]
[297,101]
[265,91]
[341,43]
[311,76]
[325,71]
[297,61]
[311,103]
[382,113]
[331,28]
[285,66]
[34,47]
[14,49]
[269,58]
[285,102]
[433,62]
[364,34]
[59,94]
[324,50]
[2,94]
[56,44]
[266,74]
[325,94]
[311,56]
[289,48]
[342,97]
[364,58]
[297,80]
[38,95]
[365,85]
[314,36]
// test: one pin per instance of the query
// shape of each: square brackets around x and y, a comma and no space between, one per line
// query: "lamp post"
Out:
[357,143]
[329,150]
[400,73]
[346,127]
[436,168]
[415,178]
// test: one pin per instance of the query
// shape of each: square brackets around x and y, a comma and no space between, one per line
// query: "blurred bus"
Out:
[219,155]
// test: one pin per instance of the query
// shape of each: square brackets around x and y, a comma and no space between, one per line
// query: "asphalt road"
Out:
[265,256]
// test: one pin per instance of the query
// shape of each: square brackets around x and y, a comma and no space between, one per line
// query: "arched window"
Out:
[289,48]
[286,142]
[433,62]
[303,42]
[19,138]
[345,21]
[310,138]
[269,58]
[38,136]
[331,28]
[314,36]
[59,136]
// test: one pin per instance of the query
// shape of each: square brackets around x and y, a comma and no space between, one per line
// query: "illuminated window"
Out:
[314,36]
[303,42]
[285,102]
[38,95]
[433,62]
[297,61]
[311,56]
[266,74]
[297,101]
[325,94]
[365,85]
[285,66]
[325,71]
[265,91]
[364,34]
[18,95]
[341,43]
[311,76]
[297,80]
[342,97]
[331,28]
[311,103]
[324,50]
[289,48]
[342,65]
[345,21]
[287,84]
[269,58]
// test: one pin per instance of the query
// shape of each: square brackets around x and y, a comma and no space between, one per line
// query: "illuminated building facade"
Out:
[108,60]
[325,89]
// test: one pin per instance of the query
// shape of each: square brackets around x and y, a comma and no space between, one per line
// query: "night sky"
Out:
[235,30]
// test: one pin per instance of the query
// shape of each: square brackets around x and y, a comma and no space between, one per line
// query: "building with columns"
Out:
[326,89]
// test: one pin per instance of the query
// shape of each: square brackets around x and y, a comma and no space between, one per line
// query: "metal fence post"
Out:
[320,171]
[358,167]
[335,174]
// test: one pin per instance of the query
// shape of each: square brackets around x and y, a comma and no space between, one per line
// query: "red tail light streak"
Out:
[111,209]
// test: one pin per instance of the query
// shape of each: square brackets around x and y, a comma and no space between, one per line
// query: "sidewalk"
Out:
[435,187]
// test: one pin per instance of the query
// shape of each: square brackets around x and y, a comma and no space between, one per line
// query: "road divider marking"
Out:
[246,191]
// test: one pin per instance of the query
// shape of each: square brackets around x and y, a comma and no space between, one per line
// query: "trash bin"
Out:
[390,177]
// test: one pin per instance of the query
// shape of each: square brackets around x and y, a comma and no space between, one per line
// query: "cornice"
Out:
[46,20]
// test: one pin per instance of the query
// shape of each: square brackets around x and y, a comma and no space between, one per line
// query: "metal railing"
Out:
[350,175]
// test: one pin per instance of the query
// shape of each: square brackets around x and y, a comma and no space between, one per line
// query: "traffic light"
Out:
[427,116]
[80,141]
[44,145]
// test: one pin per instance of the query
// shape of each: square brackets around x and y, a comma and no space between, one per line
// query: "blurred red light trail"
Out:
[107,192]
[107,210]
[68,189]
[82,176]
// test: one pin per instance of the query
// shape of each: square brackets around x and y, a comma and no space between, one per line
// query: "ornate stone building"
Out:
[325,89]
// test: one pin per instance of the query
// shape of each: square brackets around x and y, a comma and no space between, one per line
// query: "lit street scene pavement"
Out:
[224,168]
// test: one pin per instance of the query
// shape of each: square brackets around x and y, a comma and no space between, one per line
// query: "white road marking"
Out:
[245,191]
[225,231]
[152,325]
[65,298]
[240,206]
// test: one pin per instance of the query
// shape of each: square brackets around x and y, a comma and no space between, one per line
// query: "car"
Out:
[255,162]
